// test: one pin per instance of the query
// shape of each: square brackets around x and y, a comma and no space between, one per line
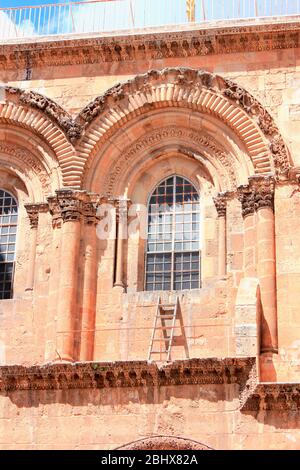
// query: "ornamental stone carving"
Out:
[246,198]
[159,137]
[74,205]
[263,189]
[221,204]
[56,113]
[125,374]
[33,211]
[71,204]
[258,194]
[222,40]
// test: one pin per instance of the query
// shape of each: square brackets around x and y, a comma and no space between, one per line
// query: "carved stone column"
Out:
[71,204]
[221,206]
[51,330]
[33,214]
[122,220]
[89,281]
[259,231]
[263,188]
[246,197]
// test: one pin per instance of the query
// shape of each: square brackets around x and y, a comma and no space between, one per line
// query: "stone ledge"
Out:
[97,375]
[273,397]
[147,45]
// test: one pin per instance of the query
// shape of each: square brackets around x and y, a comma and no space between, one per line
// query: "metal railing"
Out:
[104,16]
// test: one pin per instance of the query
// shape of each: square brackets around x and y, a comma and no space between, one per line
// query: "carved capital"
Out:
[246,198]
[122,205]
[33,214]
[33,211]
[90,212]
[70,204]
[263,188]
[55,211]
[221,204]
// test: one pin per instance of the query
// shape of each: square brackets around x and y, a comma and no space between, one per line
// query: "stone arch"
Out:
[43,117]
[189,89]
[25,153]
[164,443]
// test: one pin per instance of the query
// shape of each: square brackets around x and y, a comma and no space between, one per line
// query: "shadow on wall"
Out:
[116,397]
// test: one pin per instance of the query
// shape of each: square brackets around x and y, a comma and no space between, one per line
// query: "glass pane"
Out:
[8,225]
[173,232]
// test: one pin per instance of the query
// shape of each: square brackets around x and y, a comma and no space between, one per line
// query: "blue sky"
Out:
[19,3]
[117,15]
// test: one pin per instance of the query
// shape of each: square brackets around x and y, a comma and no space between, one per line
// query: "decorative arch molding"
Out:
[28,168]
[164,443]
[35,112]
[222,166]
[190,89]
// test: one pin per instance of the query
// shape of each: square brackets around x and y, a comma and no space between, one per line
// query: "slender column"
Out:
[33,214]
[51,327]
[89,282]
[221,206]
[122,215]
[266,263]
[71,211]
[246,198]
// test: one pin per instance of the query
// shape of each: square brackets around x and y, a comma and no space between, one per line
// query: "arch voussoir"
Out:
[191,89]
[30,110]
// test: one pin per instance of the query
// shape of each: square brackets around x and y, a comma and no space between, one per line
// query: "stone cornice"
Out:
[272,397]
[150,44]
[95,375]
[253,396]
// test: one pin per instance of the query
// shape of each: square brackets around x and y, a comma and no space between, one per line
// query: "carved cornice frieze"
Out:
[273,397]
[184,42]
[125,374]
[33,211]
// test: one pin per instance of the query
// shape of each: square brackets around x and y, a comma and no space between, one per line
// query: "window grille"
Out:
[173,244]
[8,233]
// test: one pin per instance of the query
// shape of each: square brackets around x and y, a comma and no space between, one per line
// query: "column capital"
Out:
[55,211]
[259,193]
[71,204]
[263,188]
[221,204]
[246,198]
[33,211]
[122,205]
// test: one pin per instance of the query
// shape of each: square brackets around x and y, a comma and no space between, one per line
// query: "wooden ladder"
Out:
[165,313]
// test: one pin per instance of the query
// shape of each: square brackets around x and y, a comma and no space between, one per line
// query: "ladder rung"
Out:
[159,352]
[167,327]
[167,305]
[164,339]
[165,317]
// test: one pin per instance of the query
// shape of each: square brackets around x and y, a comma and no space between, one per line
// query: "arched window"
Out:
[173,245]
[8,232]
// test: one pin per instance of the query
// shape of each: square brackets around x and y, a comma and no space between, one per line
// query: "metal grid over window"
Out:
[8,233]
[173,245]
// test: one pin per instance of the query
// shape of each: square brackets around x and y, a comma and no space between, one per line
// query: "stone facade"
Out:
[88,127]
